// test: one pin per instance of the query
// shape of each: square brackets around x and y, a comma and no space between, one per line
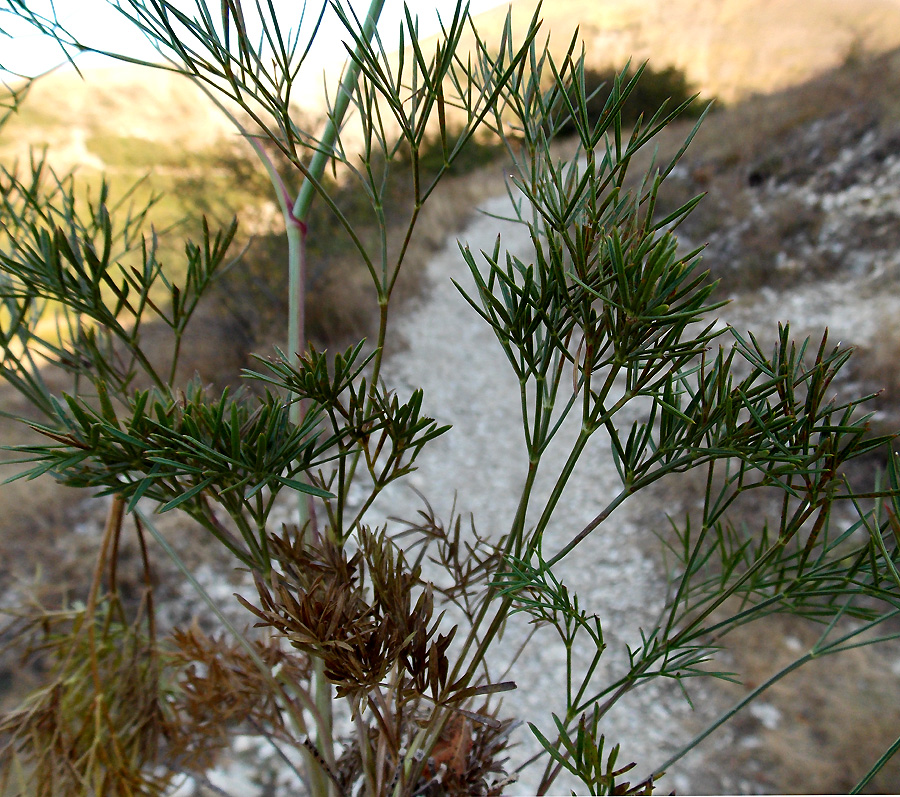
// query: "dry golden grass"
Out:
[836,715]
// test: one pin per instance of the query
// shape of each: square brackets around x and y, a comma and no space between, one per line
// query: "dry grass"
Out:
[818,730]
[834,716]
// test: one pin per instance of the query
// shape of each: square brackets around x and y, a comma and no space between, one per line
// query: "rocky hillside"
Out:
[802,215]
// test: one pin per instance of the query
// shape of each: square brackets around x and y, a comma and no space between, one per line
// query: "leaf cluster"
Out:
[182,451]
[655,87]
[70,264]
[582,755]
[368,422]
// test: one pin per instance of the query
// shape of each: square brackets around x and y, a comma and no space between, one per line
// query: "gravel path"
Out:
[453,355]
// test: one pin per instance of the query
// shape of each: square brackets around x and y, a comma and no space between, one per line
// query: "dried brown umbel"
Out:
[321,603]
[468,758]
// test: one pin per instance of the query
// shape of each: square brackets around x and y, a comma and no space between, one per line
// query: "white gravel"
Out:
[453,355]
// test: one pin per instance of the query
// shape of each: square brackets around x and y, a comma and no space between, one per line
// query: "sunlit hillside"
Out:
[728,48]
[129,117]
[80,118]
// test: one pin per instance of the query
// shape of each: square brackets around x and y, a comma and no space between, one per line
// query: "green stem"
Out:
[376,372]
[407,238]
[567,549]
[379,347]
[176,356]
[342,102]
[517,538]
[325,721]
[878,766]
[297,230]
[296,237]
[558,487]
[749,698]
[516,533]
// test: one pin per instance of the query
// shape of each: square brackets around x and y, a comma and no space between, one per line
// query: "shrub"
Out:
[652,89]
[604,320]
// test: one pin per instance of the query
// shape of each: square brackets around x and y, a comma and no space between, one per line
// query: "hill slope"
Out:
[77,118]
[729,48]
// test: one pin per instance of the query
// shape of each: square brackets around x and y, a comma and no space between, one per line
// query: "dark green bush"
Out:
[651,91]
[433,152]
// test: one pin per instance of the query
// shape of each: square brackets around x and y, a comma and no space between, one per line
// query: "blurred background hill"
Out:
[729,49]
[726,48]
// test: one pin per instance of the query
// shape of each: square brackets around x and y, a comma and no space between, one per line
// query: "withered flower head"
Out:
[321,602]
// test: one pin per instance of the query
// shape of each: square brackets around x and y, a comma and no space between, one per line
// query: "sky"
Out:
[97,24]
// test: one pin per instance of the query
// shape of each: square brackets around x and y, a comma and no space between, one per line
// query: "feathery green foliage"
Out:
[606,313]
